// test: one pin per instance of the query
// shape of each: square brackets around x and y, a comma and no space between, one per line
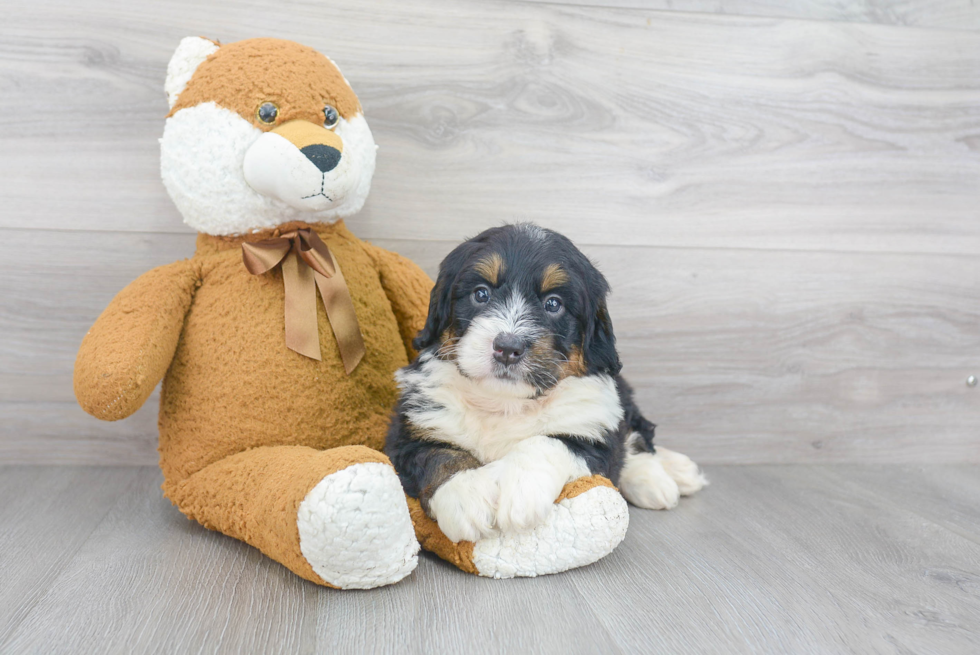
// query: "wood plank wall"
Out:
[786,199]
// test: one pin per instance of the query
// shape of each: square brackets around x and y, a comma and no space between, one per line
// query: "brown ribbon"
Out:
[307,265]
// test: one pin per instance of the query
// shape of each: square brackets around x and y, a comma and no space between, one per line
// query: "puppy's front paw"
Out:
[464,505]
[526,499]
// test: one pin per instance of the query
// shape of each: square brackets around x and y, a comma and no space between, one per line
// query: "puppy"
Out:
[516,391]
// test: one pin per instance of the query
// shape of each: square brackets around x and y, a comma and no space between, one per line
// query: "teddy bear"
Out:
[277,341]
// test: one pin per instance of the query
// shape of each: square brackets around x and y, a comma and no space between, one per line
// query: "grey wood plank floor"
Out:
[801,559]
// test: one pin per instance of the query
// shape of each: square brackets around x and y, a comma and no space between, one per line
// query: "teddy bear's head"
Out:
[261,132]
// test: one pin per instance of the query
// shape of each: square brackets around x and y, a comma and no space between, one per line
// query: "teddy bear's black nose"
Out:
[323,157]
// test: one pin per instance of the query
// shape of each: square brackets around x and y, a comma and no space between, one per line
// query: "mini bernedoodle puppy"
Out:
[516,391]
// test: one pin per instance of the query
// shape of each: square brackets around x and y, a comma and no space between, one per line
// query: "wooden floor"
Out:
[788,559]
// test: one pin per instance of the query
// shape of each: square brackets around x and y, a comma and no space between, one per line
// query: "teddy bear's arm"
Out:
[407,288]
[129,348]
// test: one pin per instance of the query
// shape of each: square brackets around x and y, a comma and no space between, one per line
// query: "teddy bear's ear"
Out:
[189,54]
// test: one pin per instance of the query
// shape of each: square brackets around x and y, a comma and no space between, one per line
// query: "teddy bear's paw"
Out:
[355,529]
[578,531]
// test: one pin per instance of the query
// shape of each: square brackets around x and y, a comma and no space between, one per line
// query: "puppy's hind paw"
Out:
[682,470]
[644,482]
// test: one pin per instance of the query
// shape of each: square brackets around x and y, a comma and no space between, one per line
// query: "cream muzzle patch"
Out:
[301,164]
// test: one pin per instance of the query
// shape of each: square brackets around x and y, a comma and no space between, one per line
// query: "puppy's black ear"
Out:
[599,342]
[441,301]
[440,314]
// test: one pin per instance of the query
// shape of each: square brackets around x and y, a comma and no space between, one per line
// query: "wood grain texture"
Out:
[786,208]
[61,433]
[944,14]
[789,559]
[46,515]
[670,129]
[947,499]
[838,357]
[149,579]
[767,559]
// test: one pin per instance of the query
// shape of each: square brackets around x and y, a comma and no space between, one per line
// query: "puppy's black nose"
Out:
[508,348]
[323,157]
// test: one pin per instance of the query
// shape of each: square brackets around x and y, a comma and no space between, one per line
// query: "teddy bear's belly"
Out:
[233,384]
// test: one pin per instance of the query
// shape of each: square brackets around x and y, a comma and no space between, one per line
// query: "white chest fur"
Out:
[489,418]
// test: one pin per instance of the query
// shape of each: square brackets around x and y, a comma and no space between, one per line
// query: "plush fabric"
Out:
[254,495]
[240,76]
[233,384]
[128,350]
[247,426]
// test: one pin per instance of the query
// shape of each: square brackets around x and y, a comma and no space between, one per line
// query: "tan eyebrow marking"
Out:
[490,268]
[554,276]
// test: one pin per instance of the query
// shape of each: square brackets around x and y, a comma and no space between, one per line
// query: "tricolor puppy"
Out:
[516,391]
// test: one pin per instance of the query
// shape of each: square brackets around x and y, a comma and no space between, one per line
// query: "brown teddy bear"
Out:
[278,340]
[264,434]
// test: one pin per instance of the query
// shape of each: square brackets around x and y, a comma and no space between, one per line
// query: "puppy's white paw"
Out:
[644,482]
[527,497]
[531,477]
[464,506]
[682,470]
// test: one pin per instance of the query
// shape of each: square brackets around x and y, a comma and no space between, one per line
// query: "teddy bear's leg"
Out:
[336,517]
[589,520]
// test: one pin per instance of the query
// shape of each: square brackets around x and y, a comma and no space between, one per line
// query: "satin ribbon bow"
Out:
[307,265]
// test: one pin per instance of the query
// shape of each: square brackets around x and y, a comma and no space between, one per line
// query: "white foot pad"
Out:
[580,531]
[355,529]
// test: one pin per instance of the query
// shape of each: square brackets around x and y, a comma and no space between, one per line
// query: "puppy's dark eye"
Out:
[330,117]
[552,305]
[481,295]
[267,113]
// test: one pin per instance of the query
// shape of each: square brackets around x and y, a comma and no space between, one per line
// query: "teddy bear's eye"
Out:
[330,117]
[267,113]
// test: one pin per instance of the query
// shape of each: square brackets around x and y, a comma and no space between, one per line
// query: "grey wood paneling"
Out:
[676,129]
[768,559]
[61,433]
[787,209]
[740,356]
[943,14]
